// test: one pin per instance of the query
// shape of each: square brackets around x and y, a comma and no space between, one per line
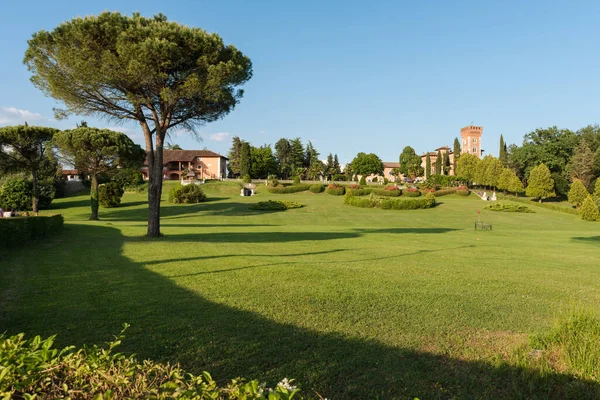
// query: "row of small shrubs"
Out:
[281,189]
[33,368]
[509,208]
[19,230]
[275,205]
[335,189]
[390,204]
[187,194]
[317,188]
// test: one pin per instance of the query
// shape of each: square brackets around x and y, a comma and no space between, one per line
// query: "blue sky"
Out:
[369,76]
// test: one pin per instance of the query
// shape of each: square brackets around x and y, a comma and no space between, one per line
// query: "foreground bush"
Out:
[335,189]
[16,193]
[445,192]
[275,205]
[509,208]
[589,210]
[186,194]
[110,194]
[33,368]
[20,230]
[280,189]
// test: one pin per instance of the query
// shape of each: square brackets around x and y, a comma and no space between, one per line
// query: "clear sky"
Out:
[369,76]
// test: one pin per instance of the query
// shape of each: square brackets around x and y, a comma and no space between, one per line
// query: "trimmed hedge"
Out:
[463,192]
[288,189]
[34,368]
[509,208]
[411,192]
[20,230]
[445,192]
[275,205]
[110,194]
[387,193]
[359,192]
[390,204]
[317,188]
[335,189]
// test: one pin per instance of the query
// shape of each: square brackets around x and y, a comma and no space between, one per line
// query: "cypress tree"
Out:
[245,159]
[438,163]
[446,163]
[427,165]
[456,153]
[578,193]
[503,156]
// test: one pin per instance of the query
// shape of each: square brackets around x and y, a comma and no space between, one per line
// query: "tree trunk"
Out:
[155,181]
[94,197]
[34,187]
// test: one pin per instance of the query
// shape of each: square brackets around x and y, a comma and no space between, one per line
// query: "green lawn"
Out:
[353,303]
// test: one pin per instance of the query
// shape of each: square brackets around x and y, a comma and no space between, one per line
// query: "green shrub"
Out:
[272,180]
[386,192]
[275,205]
[16,192]
[508,208]
[385,181]
[359,192]
[445,192]
[128,178]
[335,189]
[280,189]
[339,177]
[20,230]
[247,179]
[186,194]
[411,192]
[110,194]
[296,180]
[578,193]
[317,188]
[375,180]
[351,200]
[589,209]
[33,368]
[363,181]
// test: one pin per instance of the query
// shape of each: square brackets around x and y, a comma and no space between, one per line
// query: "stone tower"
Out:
[471,140]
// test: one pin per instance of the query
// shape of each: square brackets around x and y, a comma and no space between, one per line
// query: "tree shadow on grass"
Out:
[588,239]
[85,293]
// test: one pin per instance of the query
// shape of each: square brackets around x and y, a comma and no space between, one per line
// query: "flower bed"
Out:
[336,189]
[411,192]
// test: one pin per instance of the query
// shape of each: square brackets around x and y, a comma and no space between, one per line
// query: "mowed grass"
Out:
[351,302]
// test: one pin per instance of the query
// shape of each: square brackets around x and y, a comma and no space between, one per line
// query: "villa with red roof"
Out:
[191,164]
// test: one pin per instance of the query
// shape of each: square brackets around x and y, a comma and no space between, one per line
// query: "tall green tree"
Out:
[540,184]
[311,155]
[428,165]
[578,193]
[263,162]
[410,162]
[336,165]
[596,163]
[27,147]
[456,152]
[516,185]
[297,154]
[493,171]
[467,166]
[233,165]
[160,74]
[596,194]
[366,164]
[581,165]
[283,154]
[96,152]
[504,179]
[438,163]
[245,159]
[503,156]
[329,165]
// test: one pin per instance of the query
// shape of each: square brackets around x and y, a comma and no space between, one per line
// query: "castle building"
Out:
[471,140]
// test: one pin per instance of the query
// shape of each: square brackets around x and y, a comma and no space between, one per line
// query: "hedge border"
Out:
[16,231]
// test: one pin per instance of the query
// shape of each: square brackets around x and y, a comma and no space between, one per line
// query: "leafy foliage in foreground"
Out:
[273,205]
[509,208]
[32,368]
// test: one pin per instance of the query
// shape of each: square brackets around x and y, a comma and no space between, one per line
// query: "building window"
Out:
[474,149]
